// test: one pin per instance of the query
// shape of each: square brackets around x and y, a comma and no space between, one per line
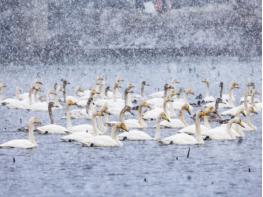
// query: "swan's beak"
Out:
[241,124]
[165,117]
[243,113]
[188,111]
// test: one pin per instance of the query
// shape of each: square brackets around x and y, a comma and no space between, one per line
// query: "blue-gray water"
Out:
[138,168]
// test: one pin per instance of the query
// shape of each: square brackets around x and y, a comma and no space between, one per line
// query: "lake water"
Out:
[55,168]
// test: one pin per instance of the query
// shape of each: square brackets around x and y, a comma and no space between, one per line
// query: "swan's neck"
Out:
[221,92]
[122,116]
[157,135]
[198,133]
[228,128]
[17,93]
[68,117]
[141,122]
[31,136]
[207,94]
[185,98]
[102,128]
[142,90]
[115,92]
[182,118]
[30,96]
[35,96]
[231,96]
[114,133]
[246,104]
[64,93]
[50,115]
[94,125]
[126,98]
[88,105]
[206,122]
[165,106]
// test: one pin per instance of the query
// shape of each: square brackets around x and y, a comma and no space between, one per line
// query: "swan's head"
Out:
[221,84]
[206,82]
[145,84]
[107,89]
[2,85]
[168,87]
[37,85]
[93,92]
[122,126]
[174,93]
[130,86]
[175,81]
[99,78]
[189,91]
[127,109]
[34,121]
[206,112]
[105,110]
[145,104]
[51,105]
[163,116]
[70,102]
[234,85]
[65,82]
[238,121]
[168,99]
[252,109]
[186,107]
[117,86]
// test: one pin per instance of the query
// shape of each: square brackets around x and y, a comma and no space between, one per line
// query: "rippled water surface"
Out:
[55,168]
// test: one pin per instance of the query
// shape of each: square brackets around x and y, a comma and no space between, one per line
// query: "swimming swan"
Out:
[24,143]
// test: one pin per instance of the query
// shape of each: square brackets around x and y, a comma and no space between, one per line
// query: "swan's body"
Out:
[180,138]
[135,135]
[106,140]
[52,129]
[24,143]
[183,138]
[225,131]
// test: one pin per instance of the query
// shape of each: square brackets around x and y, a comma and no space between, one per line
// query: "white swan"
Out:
[224,132]
[106,140]
[139,122]
[24,143]
[207,97]
[180,122]
[52,128]
[82,136]
[229,98]
[138,135]
[183,138]
[154,113]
